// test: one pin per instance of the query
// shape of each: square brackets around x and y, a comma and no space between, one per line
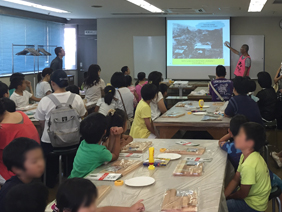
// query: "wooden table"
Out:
[205,97]
[209,186]
[167,127]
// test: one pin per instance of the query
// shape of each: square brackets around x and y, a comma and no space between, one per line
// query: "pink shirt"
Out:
[240,68]
[138,91]
[133,90]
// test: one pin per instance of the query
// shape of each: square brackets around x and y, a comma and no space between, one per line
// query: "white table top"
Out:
[209,185]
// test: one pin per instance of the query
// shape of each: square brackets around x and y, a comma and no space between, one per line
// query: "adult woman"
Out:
[43,87]
[157,105]
[278,77]
[13,125]
[123,94]
[93,85]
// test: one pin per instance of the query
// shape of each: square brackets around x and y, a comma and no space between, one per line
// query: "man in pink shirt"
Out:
[244,64]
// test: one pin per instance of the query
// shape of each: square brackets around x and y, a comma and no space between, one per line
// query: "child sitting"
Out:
[252,89]
[23,157]
[163,90]
[29,198]
[233,153]
[91,154]
[104,105]
[128,80]
[4,90]
[252,175]
[241,103]
[142,126]
[21,96]
[73,89]
[140,83]
[80,195]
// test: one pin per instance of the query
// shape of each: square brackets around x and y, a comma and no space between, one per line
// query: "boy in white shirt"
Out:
[59,82]
[21,96]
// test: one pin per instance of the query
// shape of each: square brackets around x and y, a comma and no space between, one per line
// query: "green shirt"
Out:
[254,172]
[88,158]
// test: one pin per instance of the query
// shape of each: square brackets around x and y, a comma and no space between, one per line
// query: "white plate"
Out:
[171,156]
[200,113]
[140,181]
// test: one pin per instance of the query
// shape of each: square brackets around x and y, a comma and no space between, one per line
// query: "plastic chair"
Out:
[274,196]
[265,152]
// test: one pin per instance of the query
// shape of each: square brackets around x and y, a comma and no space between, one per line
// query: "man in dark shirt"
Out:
[57,63]
[241,103]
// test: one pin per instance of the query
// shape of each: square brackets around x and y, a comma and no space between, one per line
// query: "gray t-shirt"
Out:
[248,60]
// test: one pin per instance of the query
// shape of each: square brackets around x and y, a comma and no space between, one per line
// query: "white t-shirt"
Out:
[21,101]
[46,105]
[128,98]
[42,88]
[104,107]
[154,106]
[93,94]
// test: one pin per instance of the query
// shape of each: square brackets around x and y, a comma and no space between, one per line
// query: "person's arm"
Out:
[28,84]
[126,139]
[246,71]
[224,139]
[136,95]
[229,110]
[242,193]
[233,50]
[48,93]
[149,125]
[35,99]
[161,106]
[276,78]
[137,207]
[97,108]
[232,185]
[116,132]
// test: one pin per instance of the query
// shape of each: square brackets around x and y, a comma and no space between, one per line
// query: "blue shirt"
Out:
[224,87]
[233,153]
[244,105]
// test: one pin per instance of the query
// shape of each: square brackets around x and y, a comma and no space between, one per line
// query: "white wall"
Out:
[115,39]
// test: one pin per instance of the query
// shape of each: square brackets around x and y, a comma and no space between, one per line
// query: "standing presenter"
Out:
[244,64]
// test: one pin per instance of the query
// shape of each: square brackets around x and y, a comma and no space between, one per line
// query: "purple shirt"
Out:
[224,87]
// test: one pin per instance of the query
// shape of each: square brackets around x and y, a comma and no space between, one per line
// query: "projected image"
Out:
[204,40]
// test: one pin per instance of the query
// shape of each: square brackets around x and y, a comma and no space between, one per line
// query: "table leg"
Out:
[167,132]
[217,133]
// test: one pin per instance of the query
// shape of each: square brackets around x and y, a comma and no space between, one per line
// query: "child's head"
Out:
[163,89]
[155,78]
[59,79]
[252,86]
[241,85]
[24,157]
[149,92]
[73,89]
[77,195]
[46,73]
[93,75]
[13,80]
[30,197]
[118,80]
[110,92]
[18,83]
[264,79]
[125,70]
[93,127]
[116,118]
[9,104]
[141,76]
[251,136]
[235,124]
[128,80]
[4,90]
[220,71]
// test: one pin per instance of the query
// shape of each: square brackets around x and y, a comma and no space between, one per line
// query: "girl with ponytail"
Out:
[43,87]
[104,105]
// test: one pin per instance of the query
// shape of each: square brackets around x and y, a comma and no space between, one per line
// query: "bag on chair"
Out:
[64,123]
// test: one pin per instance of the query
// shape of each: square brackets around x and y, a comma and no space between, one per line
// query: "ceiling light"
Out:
[256,5]
[146,6]
[29,4]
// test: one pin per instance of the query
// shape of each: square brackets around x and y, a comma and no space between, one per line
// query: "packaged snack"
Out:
[123,167]
[182,150]
[190,168]
[173,115]
[180,200]
[136,147]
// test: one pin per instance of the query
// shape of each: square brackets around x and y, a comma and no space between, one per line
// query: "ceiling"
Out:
[81,9]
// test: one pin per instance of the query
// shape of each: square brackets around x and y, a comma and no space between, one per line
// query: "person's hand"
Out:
[116,131]
[222,143]
[138,207]
[28,83]
[227,44]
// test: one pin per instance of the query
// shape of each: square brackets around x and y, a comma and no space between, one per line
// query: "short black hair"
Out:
[30,197]
[255,132]
[3,89]
[118,80]
[252,86]
[58,50]
[155,78]
[220,71]
[149,91]
[128,80]
[14,153]
[117,119]
[93,127]
[163,88]
[246,46]
[241,85]
[9,104]
[14,78]
[236,122]
[16,82]
[74,193]
[73,89]
[264,79]
[2,107]
[124,69]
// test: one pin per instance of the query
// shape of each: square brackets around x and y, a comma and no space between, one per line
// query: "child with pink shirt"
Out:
[139,84]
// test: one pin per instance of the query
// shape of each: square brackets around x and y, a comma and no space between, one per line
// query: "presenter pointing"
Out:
[244,64]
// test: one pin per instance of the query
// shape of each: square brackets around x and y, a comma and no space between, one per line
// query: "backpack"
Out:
[64,123]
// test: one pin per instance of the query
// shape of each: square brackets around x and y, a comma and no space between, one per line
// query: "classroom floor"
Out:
[275,144]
